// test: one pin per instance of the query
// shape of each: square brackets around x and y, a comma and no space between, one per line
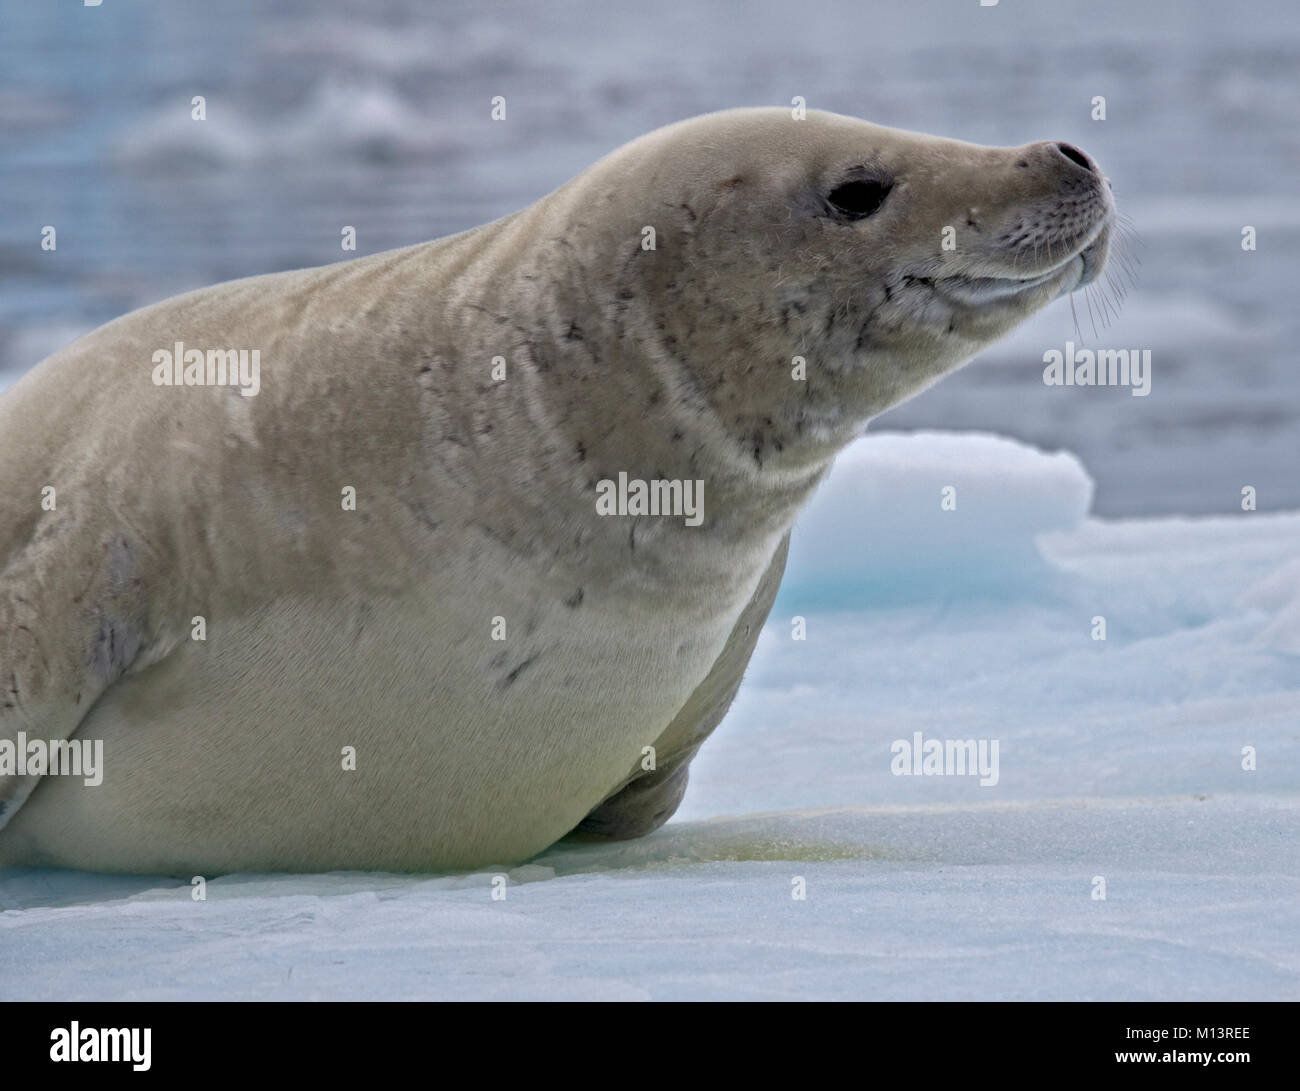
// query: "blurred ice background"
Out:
[322,113]
[1120,758]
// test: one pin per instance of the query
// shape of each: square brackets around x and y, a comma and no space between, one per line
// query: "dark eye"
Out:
[858,199]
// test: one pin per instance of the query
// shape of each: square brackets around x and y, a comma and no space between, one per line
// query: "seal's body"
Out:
[425,646]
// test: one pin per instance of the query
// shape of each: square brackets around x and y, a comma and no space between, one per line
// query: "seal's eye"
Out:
[858,199]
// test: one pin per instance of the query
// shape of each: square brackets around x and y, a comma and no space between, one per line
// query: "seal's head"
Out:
[885,258]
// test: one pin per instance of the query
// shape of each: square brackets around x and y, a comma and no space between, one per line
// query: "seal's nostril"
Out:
[1075,156]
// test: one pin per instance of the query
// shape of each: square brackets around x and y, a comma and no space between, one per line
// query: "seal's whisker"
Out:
[1087,298]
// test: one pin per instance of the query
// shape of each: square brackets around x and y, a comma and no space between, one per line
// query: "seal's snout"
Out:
[1081,172]
[1053,219]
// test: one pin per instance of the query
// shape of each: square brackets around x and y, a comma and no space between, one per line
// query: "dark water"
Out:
[376,115]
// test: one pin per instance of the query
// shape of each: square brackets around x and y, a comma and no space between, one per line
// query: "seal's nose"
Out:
[1074,155]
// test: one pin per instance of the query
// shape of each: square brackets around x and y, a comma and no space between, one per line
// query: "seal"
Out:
[331,562]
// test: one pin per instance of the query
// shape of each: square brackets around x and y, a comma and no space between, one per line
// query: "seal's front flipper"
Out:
[648,799]
[73,619]
[640,807]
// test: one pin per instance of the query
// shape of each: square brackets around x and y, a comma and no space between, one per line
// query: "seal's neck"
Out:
[559,384]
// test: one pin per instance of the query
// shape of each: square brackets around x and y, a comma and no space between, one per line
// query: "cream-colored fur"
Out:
[372,628]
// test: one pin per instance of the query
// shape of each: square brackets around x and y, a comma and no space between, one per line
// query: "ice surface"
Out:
[1119,759]
[884,529]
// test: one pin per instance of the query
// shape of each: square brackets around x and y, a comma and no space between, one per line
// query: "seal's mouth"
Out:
[1082,266]
[981,291]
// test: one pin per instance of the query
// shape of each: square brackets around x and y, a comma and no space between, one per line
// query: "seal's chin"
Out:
[1093,257]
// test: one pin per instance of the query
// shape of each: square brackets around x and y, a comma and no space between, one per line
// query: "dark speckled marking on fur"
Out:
[122,562]
[112,650]
[513,676]
[490,533]
[421,514]
[540,358]
[863,341]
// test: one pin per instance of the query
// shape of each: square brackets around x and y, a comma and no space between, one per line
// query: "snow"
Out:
[1120,760]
